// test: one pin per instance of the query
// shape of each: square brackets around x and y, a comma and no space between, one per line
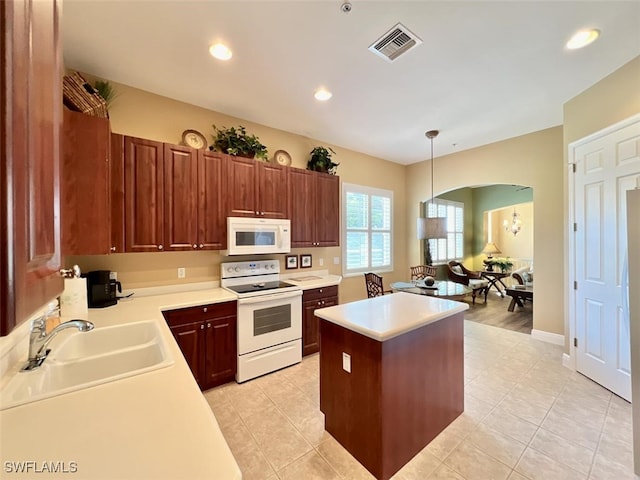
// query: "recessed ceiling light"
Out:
[583,38]
[220,51]
[322,94]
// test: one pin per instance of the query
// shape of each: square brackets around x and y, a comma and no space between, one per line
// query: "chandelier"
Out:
[515,225]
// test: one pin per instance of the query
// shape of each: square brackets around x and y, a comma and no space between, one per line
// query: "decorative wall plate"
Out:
[282,158]
[194,139]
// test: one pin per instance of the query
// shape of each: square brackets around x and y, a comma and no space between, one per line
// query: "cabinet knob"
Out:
[202,245]
[202,327]
[257,214]
[205,309]
[195,246]
[160,247]
[320,290]
[208,325]
[113,249]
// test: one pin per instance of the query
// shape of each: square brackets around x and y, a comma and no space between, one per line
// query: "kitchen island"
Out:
[391,375]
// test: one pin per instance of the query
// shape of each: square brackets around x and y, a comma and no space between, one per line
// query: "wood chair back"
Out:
[374,285]
[419,272]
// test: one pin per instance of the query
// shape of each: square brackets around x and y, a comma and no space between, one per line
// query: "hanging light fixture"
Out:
[431,227]
[515,225]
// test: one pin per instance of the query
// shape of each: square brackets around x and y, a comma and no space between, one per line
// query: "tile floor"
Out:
[526,417]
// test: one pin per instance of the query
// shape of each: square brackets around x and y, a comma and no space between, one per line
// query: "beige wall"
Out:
[611,100]
[145,115]
[533,160]
[518,246]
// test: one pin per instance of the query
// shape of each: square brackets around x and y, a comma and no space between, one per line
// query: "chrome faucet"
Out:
[39,339]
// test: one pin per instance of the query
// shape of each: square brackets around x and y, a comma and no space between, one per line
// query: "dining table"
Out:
[441,289]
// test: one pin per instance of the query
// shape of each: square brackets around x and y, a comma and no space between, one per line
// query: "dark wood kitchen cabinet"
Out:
[256,189]
[30,145]
[315,209]
[206,336]
[174,198]
[85,186]
[313,299]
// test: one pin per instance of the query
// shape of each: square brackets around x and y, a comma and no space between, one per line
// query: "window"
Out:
[367,243]
[450,248]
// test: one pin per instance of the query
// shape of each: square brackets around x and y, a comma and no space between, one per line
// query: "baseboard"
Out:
[548,337]
[566,361]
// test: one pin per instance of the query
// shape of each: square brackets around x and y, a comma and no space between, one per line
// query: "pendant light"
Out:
[432,227]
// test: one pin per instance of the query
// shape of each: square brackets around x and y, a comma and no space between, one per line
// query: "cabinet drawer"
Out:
[211,311]
[315,293]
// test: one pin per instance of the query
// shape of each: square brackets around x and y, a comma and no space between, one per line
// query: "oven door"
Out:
[268,320]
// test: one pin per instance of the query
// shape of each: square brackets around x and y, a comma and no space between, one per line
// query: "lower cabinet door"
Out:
[221,358]
[191,340]
[310,328]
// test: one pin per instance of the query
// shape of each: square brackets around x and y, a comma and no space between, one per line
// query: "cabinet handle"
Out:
[113,249]
[208,325]
[160,247]
[202,327]
[221,326]
[202,245]
[205,310]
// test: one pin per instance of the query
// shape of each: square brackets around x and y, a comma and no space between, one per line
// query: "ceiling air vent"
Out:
[394,43]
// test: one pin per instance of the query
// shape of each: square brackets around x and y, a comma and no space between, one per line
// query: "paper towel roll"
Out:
[73,301]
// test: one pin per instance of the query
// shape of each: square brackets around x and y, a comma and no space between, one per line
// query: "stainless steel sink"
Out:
[87,359]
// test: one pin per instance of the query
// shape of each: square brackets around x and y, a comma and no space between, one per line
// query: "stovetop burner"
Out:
[259,287]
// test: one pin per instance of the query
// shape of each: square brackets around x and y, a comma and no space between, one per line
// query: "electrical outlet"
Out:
[321,261]
[346,362]
[336,260]
[113,275]
[182,272]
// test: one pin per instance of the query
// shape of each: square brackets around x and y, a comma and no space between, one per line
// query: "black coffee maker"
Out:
[102,289]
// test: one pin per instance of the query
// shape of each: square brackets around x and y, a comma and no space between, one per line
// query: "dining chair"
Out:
[458,273]
[374,285]
[419,272]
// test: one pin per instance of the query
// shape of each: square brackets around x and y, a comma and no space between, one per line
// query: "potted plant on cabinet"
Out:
[236,141]
[320,160]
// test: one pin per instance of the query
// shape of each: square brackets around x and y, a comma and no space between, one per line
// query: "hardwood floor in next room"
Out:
[495,313]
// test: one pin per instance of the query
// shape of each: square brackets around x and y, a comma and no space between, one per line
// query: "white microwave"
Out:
[251,236]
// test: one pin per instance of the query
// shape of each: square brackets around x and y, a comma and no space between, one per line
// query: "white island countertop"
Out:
[156,425]
[387,316]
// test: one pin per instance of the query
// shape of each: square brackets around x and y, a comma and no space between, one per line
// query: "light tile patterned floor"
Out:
[526,417]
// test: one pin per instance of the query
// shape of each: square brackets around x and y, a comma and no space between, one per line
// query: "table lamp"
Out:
[489,250]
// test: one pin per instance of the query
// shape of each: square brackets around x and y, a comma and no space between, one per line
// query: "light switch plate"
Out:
[346,362]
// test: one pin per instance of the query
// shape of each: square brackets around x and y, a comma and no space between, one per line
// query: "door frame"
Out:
[571,361]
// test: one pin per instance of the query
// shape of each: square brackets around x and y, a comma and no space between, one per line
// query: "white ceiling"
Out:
[485,71]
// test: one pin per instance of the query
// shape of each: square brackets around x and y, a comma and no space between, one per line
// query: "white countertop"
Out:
[156,425]
[382,318]
[310,280]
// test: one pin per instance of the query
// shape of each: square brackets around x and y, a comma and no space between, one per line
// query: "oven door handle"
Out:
[265,298]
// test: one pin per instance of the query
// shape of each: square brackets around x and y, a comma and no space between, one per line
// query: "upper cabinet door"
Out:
[241,186]
[327,210]
[180,198]
[273,187]
[144,184]
[85,199]
[302,198]
[212,224]
[116,164]
[30,145]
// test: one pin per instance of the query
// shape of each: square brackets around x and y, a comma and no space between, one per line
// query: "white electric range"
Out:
[269,317]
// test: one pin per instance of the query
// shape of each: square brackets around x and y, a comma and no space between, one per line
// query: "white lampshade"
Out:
[434,227]
[490,249]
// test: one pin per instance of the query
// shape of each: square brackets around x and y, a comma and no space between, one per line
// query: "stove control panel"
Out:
[244,269]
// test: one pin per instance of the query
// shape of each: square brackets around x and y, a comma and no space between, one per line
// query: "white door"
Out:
[606,166]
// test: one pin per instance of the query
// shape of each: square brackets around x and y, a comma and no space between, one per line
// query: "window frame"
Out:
[369,191]
[437,202]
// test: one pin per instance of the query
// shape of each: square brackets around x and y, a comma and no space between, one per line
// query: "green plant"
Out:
[106,91]
[320,160]
[236,141]
[503,263]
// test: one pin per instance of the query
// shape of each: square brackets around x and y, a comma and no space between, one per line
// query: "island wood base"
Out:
[401,393]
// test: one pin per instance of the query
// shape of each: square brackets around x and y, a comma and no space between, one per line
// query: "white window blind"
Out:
[367,229]
[444,250]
